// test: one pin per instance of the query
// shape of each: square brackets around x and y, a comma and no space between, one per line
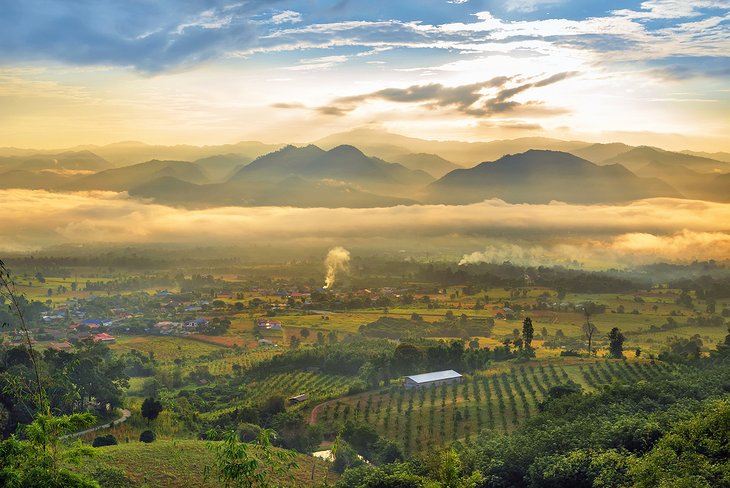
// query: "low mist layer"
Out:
[645,230]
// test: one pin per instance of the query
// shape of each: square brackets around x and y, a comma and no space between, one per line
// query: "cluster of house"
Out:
[92,329]
[191,326]
[268,324]
[54,316]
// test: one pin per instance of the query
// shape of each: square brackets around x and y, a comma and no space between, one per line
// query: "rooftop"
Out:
[435,376]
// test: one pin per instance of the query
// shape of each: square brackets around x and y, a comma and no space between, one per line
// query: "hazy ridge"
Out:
[369,168]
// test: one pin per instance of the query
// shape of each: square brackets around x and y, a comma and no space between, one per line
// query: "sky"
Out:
[75,72]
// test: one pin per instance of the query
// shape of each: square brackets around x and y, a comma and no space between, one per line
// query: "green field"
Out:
[175,463]
[164,348]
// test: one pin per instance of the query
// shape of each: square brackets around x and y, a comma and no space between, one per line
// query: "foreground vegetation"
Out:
[570,378]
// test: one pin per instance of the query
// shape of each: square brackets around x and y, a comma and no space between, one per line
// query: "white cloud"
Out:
[324,62]
[672,9]
[286,17]
[529,5]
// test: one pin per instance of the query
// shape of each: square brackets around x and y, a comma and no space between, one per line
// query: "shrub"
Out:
[112,477]
[570,353]
[356,387]
[248,432]
[147,436]
[104,440]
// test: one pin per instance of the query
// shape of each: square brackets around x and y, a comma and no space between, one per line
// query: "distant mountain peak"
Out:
[346,149]
[540,176]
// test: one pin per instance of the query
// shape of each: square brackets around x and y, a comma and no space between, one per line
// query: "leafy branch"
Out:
[9,293]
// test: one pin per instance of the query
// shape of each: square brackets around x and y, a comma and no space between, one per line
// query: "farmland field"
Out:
[499,399]
[318,386]
[164,348]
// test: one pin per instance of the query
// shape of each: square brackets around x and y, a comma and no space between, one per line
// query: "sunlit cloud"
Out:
[468,99]
[643,230]
[199,67]
[286,17]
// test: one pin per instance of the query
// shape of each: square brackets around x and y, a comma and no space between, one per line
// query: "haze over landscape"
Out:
[269,222]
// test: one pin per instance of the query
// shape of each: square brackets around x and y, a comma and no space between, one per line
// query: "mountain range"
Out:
[538,176]
[371,169]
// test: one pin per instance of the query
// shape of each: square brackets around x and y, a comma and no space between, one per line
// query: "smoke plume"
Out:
[338,259]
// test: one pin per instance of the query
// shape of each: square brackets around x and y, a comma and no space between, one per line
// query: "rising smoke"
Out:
[338,259]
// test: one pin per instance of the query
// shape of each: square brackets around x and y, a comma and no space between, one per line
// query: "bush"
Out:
[112,477]
[356,387]
[104,440]
[248,432]
[345,457]
[147,436]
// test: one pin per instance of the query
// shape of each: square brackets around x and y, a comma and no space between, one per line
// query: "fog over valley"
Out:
[640,231]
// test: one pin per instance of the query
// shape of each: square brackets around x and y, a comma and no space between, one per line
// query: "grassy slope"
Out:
[167,463]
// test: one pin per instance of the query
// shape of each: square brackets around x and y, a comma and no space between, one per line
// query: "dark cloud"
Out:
[148,36]
[501,102]
[464,98]
[288,105]
[684,68]
[331,110]
[434,94]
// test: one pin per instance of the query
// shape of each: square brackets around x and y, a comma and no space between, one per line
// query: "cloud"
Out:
[651,229]
[629,249]
[467,99]
[286,17]
[148,36]
[322,63]
[169,34]
[502,101]
[529,5]
[681,68]
[671,9]
[288,105]
[520,126]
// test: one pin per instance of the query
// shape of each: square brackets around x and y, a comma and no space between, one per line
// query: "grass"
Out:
[165,348]
[174,463]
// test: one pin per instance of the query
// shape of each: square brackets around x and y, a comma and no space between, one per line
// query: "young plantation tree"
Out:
[247,465]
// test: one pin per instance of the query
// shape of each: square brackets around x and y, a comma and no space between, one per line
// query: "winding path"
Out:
[315,411]
[125,415]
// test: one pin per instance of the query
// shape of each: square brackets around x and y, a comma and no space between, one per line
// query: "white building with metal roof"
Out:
[431,379]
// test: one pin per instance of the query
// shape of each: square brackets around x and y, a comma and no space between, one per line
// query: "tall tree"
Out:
[528,332]
[589,329]
[616,345]
[151,409]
